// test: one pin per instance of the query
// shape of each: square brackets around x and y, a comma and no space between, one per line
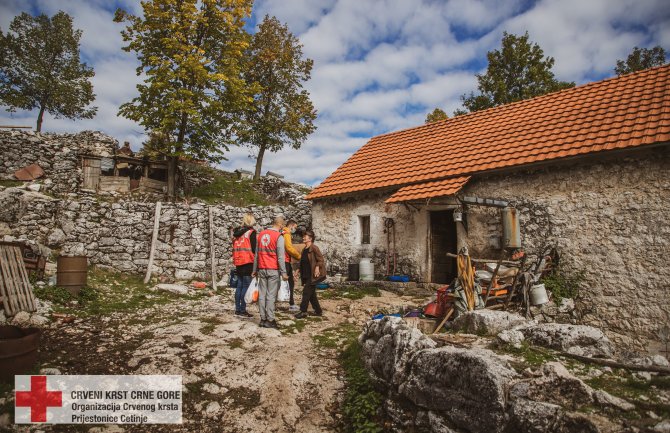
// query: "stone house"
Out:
[586,170]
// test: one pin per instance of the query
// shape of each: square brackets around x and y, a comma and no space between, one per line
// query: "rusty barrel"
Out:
[18,351]
[71,273]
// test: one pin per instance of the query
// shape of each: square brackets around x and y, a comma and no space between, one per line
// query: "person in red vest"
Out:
[244,251]
[270,269]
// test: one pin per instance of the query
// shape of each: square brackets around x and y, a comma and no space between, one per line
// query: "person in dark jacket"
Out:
[312,272]
[244,250]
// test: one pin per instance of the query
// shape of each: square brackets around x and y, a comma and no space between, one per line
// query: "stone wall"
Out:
[606,215]
[59,155]
[337,230]
[118,234]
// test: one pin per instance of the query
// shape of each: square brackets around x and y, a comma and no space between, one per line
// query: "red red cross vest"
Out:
[242,252]
[267,249]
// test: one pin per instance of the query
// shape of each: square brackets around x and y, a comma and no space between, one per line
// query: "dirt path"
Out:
[238,377]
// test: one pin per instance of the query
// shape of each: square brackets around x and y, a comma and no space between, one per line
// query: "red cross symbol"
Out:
[38,399]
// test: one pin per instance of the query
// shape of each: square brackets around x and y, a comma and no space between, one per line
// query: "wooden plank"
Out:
[4,287]
[92,172]
[493,280]
[446,317]
[212,249]
[8,283]
[152,185]
[16,277]
[27,287]
[13,286]
[504,262]
[114,183]
[154,239]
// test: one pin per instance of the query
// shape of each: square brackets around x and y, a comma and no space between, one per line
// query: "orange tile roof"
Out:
[438,188]
[622,112]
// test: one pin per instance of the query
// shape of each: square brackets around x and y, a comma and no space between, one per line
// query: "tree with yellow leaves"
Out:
[190,54]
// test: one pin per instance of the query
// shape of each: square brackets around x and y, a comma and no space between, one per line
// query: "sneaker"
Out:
[246,314]
[272,324]
[237,313]
[301,315]
[293,308]
[263,324]
[319,314]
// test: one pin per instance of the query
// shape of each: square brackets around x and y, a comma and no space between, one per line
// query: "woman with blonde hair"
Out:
[244,249]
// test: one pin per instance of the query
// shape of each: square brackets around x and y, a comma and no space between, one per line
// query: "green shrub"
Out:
[563,284]
[57,295]
[361,402]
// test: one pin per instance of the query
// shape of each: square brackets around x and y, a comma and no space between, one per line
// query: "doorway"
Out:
[442,241]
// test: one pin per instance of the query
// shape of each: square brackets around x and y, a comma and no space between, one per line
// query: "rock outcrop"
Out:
[460,389]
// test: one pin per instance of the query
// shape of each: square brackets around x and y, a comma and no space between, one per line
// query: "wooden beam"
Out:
[154,239]
[212,247]
[515,264]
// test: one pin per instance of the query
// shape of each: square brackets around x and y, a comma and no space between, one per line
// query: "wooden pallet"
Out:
[15,289]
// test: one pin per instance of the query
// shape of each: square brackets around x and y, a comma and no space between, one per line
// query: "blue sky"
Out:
[379,65]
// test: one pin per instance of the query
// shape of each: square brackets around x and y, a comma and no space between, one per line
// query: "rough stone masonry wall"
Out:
[338,233]
[609,218]
[59,155]
[118,234]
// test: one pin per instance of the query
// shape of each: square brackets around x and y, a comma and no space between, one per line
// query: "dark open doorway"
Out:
[442,241]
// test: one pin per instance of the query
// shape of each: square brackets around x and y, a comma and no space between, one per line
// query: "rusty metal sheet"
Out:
[31,172]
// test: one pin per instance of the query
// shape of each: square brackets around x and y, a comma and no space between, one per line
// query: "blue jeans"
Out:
[241,290]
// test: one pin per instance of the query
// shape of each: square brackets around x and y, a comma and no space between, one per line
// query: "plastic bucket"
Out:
[367,269]
[538,295]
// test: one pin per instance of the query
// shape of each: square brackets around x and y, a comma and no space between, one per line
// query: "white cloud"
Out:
[380,65]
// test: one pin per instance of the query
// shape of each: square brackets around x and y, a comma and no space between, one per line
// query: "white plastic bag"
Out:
[284,292]
[252,292]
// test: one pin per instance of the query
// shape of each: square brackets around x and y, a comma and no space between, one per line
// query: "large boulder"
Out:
[468,385]
[576,339]
[487,322]
[387,346]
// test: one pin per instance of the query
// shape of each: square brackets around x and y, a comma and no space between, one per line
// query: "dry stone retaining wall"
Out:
[118,234]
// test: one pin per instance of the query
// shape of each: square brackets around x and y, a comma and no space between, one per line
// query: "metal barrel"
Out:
[71,273]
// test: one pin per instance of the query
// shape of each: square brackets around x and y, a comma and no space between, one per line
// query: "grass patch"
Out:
[335,337]
[531,356]
[244,398]
[226,188]
[8,183]
[298,324]
[106,292]
[210,324]
[55,294]
[641,393]
[235,343]
[350,292]
[362,403]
